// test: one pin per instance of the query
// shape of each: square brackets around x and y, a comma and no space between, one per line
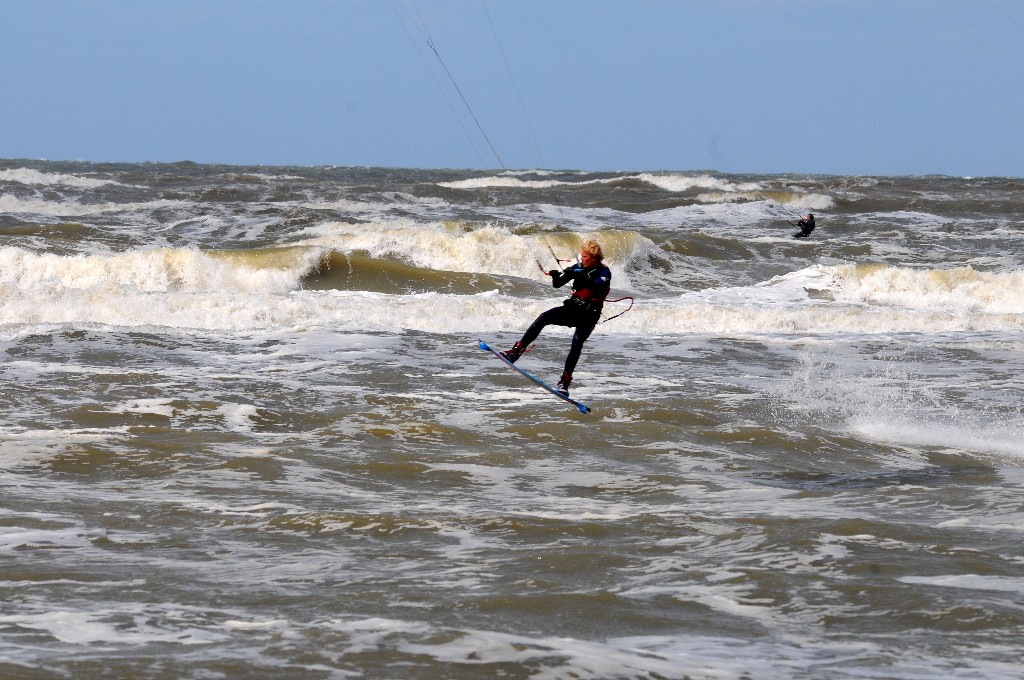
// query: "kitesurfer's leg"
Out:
[555,315]
[583,332]
[563,384]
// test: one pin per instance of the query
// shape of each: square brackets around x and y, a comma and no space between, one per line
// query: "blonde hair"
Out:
[593,248]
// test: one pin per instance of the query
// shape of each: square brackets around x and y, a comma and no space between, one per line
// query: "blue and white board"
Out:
[552,390]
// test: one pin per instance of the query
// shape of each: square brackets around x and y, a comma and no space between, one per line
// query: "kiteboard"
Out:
[583,408]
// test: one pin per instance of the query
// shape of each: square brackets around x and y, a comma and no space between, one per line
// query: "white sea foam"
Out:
[680,183]
[673,183]
[1003,584]
[888,402]
[267,624]
[30,176]
[920,222]
[192,289]
[20,538]
[449,247]
[958,291]
[766,215]
[77,627]
[34,206]
[163,269]
[514,183]
[791,199]
[949,432]
[437,246]
[238,416]
[698,657]
[160,407]
[21,447]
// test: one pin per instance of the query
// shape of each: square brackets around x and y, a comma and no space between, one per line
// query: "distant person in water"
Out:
[806,226]
[591,282]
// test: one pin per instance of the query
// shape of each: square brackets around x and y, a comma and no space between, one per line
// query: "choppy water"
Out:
[247,430]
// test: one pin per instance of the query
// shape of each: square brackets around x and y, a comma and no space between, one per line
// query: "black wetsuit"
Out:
[582,310]
[806,227]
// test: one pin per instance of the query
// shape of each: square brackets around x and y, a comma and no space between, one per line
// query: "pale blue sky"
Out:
[885,87]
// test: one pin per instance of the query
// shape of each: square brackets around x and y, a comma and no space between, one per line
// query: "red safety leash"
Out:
[628,297]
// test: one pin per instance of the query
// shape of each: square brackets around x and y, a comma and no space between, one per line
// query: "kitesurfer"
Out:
[591,282]
[806,226]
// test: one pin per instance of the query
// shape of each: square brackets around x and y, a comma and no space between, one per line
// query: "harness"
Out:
[585,300]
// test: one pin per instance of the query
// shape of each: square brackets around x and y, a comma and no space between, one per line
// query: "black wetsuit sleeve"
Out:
[567,275]
[592,283]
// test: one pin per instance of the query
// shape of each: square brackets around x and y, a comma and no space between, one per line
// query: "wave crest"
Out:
[30,176]
[794,199]
[960,290]
[158,270]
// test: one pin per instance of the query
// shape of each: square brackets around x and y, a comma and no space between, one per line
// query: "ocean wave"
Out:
[34,206]
[159,270]
[357,272]
[794,199]
[954,291]
[483,312]
[681,183]
[957,290]
[503,181]
[672,183]
[459,247]
[30,176]
[657,318]
[450,277]
[394,257]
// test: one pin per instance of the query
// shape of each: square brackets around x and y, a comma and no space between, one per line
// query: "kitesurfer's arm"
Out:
[592,283]
[560,278]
